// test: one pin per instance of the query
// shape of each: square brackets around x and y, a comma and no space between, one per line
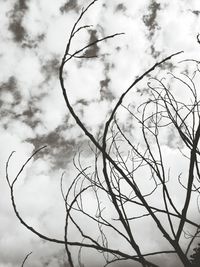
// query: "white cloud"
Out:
[83,83]
[179,29]
[28,72]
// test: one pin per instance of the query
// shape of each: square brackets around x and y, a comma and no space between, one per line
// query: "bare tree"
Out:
[122,163]
[25,259]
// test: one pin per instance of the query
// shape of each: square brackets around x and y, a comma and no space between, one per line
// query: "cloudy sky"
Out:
[33,36]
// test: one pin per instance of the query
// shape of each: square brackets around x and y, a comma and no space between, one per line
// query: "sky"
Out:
[33,36]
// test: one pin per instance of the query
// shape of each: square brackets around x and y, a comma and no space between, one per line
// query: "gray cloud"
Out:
[120,7]
[104,84]
[50,68]
[31,43]
[196,12]
[16,18]
[70,5]
[60,150]
[150,19]
[93,50]
[9,87]
[28,115]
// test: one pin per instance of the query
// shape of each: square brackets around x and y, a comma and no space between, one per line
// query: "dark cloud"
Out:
[70,5]
[22,4]
[60,149]
[150,18]
[154,52]
[196,12]
[104,84]
[82,102]
[7,110]
[94,49]
[32,43]
[15,20]
[10,86]
[143,91]
[120,7]
[168,66]
[50,68]
[28,116]
[17,28]
[105,92]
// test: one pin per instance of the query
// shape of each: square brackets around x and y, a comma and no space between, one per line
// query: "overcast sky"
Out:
[33,35]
